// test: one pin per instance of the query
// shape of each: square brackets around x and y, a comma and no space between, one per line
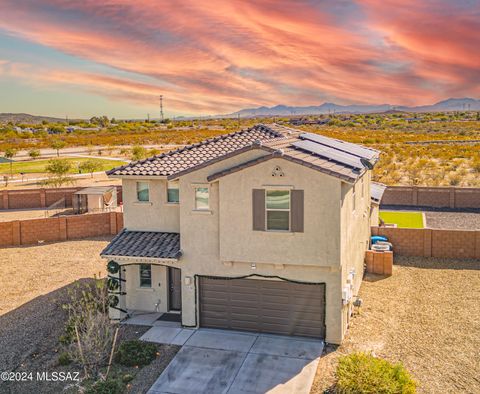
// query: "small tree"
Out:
[9,154]
[90,165]
[57,145]
[34,153]
[58,170]
[138,152]
[88,337]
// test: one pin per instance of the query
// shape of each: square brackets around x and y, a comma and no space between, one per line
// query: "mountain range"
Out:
[451,104]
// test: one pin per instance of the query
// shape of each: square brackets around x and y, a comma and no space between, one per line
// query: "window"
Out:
[145,275]
[173,193]
[143,191]
[278,210]
[201,198]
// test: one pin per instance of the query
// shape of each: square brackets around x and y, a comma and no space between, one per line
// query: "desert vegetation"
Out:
[434,149]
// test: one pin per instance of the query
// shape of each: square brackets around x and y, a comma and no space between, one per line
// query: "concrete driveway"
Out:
[220,361]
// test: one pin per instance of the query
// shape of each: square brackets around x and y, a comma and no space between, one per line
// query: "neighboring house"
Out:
[263,230]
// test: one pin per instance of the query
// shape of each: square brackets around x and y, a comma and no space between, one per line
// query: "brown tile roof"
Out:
[191,156]
[144,244]
[278,140]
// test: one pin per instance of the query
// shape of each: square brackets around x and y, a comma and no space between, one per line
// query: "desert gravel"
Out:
[453,220]
[427,316]
[27,272]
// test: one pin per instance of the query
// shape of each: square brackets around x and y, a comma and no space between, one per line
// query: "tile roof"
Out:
[144,244]
[327,155]
[176,161]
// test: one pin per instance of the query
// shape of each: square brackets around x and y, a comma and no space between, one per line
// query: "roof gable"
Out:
[334,157]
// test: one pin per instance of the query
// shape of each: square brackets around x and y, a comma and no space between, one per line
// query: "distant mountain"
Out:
[26,118]
[451,104]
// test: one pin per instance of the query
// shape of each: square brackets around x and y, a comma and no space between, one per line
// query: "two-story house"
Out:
[262,230]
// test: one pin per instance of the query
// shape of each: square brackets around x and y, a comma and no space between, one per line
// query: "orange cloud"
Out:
[220,56]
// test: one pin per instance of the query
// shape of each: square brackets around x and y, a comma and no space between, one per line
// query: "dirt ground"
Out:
[453,220]
[34,286]
[427,316]
[27,272]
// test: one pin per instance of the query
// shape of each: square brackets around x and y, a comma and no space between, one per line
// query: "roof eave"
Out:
[123,258]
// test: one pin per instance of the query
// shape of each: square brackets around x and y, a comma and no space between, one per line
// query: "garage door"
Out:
[277,307]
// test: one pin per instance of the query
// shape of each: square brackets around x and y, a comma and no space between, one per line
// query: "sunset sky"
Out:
[115,57]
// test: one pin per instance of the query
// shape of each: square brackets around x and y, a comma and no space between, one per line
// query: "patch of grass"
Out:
[38,166]
[363,373]
[403,219]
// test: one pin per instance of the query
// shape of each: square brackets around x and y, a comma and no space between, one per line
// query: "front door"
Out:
[175,289]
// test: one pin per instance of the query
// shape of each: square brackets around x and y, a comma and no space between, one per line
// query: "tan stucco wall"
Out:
[155,215]
[143,298]
[355,235]
[221,241]
[319,244]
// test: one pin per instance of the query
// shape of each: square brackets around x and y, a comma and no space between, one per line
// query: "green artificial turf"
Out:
[38,166]
[403,219]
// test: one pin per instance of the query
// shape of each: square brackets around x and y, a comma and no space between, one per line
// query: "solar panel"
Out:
[347,147]
[329,153]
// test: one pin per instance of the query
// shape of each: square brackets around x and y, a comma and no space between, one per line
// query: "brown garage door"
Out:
[277,307]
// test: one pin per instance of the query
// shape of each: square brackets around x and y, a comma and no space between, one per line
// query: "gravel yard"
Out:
[426,315]
[34,286]
[27,272]
[453,220]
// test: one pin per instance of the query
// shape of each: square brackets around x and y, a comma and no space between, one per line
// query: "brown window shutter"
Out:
[297,211]
[258,208]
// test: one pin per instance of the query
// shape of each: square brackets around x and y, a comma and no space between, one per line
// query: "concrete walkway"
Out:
[221,361]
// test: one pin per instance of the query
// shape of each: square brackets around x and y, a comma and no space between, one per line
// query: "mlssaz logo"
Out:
[58,376]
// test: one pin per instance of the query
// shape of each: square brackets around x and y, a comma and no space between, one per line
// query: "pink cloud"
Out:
[220,56]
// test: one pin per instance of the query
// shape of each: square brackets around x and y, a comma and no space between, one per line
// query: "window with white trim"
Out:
[145,275]
[173,192]
[143,192]
[202,198]
[277,210]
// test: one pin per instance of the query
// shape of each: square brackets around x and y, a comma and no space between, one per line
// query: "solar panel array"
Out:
[343,146]
[329,153]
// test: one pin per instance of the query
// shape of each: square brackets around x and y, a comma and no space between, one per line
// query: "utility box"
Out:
[380,263]
[95,199]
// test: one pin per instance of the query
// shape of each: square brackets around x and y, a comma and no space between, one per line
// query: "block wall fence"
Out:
[40,198]
[426,242]
[62,228]
[413,196]
[436,197]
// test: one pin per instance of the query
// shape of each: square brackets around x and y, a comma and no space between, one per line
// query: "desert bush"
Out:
[136,353]
[109,386]
[89,333]
[138,152]
[64,359]
[362,373]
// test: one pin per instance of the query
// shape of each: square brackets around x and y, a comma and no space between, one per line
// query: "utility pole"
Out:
[161,108]
[148,117]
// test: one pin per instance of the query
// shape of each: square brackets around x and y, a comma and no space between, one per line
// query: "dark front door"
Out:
[175,289]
